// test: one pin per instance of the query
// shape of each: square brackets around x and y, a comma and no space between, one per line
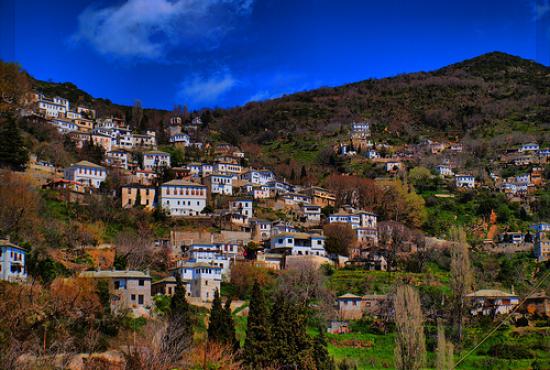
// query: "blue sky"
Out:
[223,53]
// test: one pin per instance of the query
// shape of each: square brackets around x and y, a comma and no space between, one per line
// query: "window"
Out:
[141,282]
[133,297]
[120,284]
[140,299]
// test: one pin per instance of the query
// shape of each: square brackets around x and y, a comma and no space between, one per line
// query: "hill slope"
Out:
[458,98]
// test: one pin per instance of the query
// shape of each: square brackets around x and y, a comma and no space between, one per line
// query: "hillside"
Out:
[475,93]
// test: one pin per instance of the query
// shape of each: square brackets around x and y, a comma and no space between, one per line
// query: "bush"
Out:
[510,351]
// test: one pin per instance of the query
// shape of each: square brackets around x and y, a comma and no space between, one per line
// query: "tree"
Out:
[444,351]
[420,176]
[303,172]
[410,349]
[340,238]
[291,346]
[230,336]
[461,280]
[257,349]
[320,352]
[137,115]
[216,323]
[14,84]
[13,153]
[179,332]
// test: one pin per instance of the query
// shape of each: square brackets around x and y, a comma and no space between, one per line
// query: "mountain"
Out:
[488,90]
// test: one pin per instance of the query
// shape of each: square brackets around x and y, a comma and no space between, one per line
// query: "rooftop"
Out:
[115,274]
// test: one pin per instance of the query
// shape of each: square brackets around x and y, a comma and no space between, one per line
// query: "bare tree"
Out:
[461,279]
[444,352]
[137,114]
[137,249]
[410,349]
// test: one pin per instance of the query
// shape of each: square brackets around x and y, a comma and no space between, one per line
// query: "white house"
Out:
[492,302]
[292,199]
[228,168]
[542,241]
[258,177]
[12,261]
[311,213]
[219,184]
[360,129]
[298,244]
[444,170]
[393,166]
[529,147]
[242,206]
[117,158]
[372,154]
[64,125]
[202,279]
[465,181]
[363,223]
[183,198]
[261,229]
[182,139]
[155,159]
[86,173]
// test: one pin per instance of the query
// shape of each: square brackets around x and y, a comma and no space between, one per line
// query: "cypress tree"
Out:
[179,333]
[292,174]
[257,352]
[320,352]
[137,203]
[13,153]
[216,324]
[230,326]
[303,173]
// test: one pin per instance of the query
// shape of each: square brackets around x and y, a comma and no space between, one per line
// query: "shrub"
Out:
[510,351]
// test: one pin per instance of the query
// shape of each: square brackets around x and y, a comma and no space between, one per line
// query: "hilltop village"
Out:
[146,212]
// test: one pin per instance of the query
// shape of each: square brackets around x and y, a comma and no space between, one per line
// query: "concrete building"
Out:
[204,279]
[541,247]
[155,159]
[219,184]
[12,261]
[492,302]
[465,181]
[183,198]
[297,244]
[86,173]
[130,290]
[147,196]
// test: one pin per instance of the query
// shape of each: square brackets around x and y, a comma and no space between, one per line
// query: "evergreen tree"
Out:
[291,345]
[230,325]
[13,153]
[292,174]
[303,173]
[257,343]
[216,323]
[179,333]
[320,352]
[137,203]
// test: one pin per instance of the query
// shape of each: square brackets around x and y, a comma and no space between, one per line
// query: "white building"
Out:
[298,244]
[64,125]
[117,158]
[183,198]
[182,139]
[465,181]
[258,177]
[542,241]
[86,173]
[311,213]
[12,261]
[155,159]
[220,184]
[444,170]
[242,206]
[491,302]
[364,224]
[529,147]
[228,168]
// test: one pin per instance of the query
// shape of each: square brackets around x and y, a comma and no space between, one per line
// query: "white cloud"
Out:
[147,29]
[198,89]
